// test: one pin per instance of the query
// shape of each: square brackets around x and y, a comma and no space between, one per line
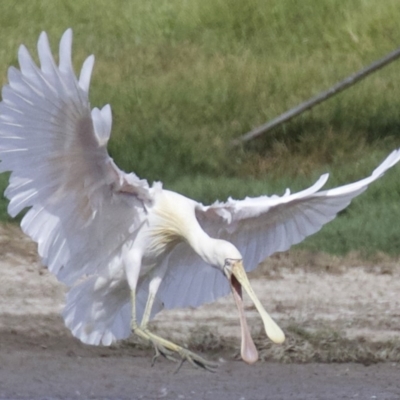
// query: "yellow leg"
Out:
[162,346]
[147,310]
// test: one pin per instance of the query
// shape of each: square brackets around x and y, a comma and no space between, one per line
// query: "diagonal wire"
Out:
[306,105]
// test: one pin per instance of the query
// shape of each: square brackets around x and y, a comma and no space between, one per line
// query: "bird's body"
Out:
[127,249]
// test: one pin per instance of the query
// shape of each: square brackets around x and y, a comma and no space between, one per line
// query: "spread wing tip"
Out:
[86,73]
[392,159]
[65,51]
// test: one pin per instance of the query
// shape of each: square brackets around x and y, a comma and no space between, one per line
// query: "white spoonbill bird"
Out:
[124,248]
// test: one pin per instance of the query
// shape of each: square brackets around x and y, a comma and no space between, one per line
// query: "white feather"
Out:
[85,212]
[48,141]
[276,223]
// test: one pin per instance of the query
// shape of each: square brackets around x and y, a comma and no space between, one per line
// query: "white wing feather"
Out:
[83,208]
[190,281]
[258,227]
[264,225]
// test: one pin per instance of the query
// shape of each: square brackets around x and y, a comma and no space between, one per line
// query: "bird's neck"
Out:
[204,245]
[176,218]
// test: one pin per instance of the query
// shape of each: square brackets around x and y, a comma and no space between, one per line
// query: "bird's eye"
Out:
[228,267]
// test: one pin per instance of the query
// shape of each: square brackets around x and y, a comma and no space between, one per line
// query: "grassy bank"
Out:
[184,77]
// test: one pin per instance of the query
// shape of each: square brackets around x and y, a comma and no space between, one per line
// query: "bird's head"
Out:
[236,274]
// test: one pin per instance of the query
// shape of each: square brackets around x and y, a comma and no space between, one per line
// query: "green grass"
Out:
[184,77]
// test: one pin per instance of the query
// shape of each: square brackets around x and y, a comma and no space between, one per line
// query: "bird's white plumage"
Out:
[84,211]
[55,147]
[258,227]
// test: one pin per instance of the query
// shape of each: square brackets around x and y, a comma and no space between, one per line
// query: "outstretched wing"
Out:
[83,208]
[264,225]
[258,227]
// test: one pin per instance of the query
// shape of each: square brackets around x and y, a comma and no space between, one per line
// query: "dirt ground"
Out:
[341,317]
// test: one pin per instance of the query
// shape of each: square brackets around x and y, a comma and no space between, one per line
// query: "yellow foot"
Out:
[167,348]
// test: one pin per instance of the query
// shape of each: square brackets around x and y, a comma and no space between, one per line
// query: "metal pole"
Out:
[344,84]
